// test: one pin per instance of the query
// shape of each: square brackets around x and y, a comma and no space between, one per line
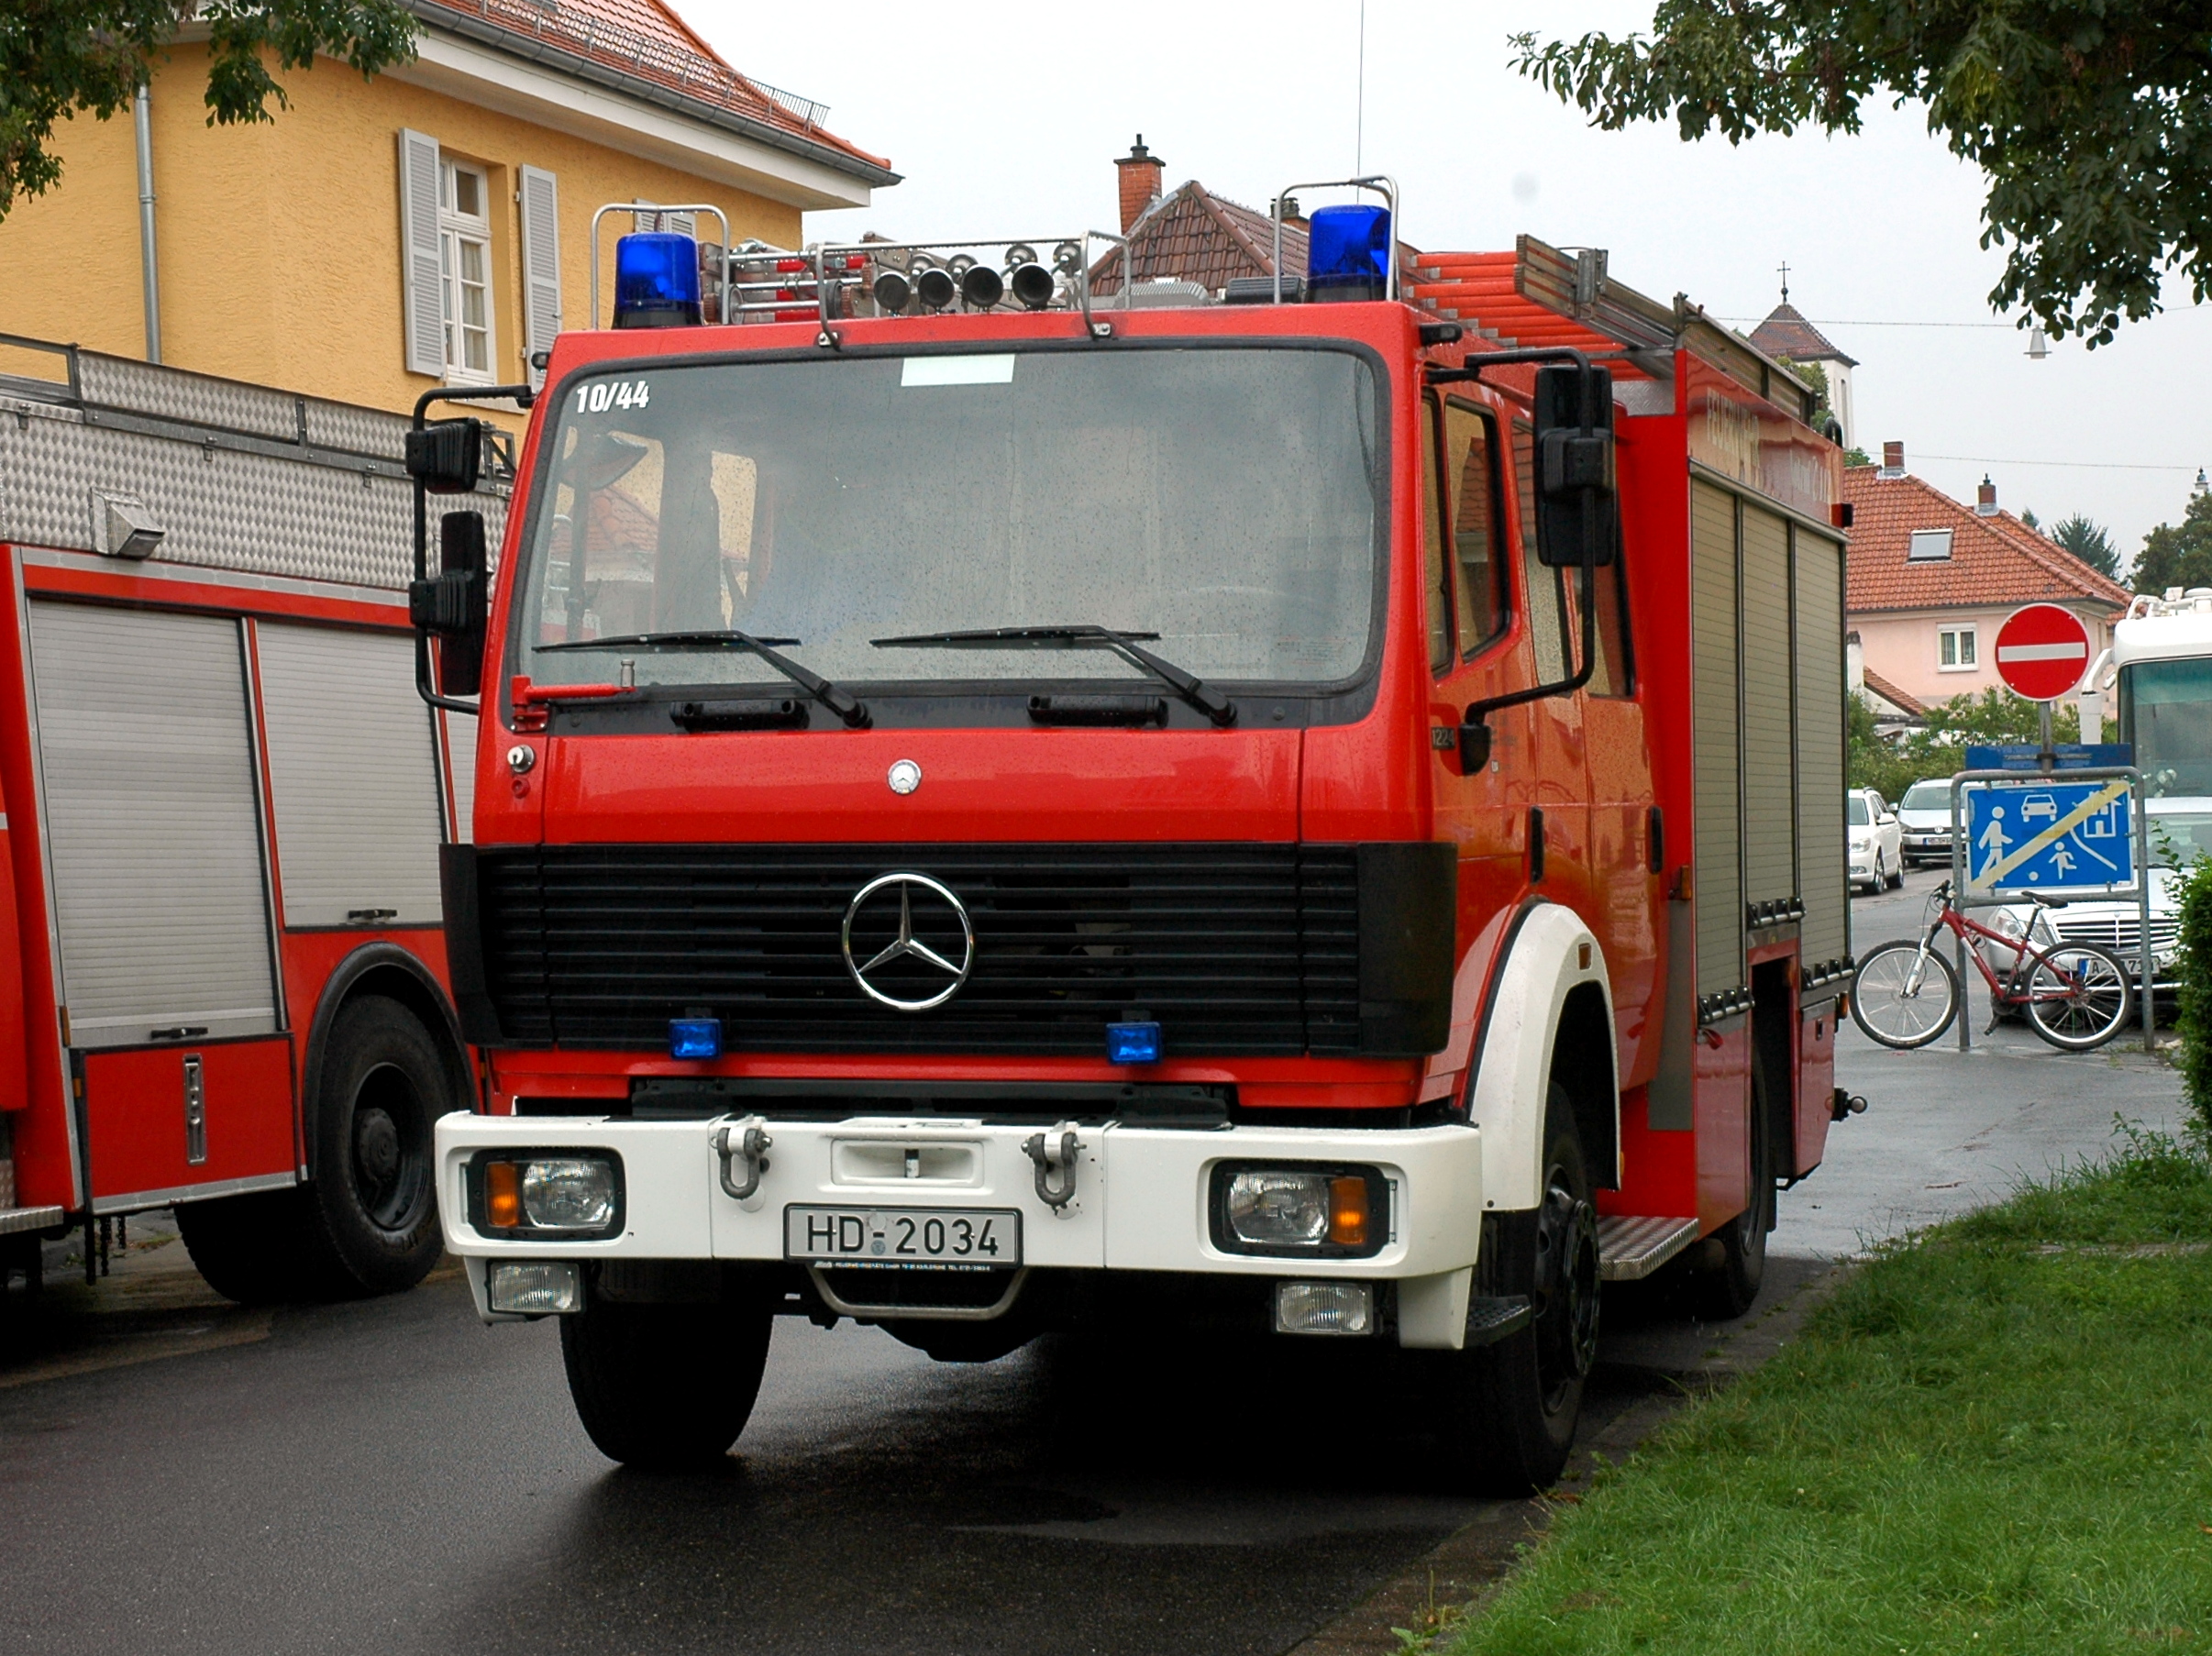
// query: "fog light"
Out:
[535,1287]
[1280,1209]
[694,1037]
[572,1193]
[1324,1308]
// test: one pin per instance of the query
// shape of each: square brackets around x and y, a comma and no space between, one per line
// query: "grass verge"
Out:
[1997,1438]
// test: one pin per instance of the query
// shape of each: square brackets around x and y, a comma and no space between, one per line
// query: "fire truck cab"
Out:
[1313,811]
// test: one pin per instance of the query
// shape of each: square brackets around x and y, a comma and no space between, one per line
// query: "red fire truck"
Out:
[222,968]
[1315,810]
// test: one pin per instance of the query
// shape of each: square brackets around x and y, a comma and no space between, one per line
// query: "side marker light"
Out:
[502,1195]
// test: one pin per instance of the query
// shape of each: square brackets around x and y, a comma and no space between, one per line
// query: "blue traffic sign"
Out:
[2050,836]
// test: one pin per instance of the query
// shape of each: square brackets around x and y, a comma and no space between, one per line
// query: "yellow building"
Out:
[431,225]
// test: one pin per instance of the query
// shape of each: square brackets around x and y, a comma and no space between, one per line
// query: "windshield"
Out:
[1927,796]
[1223,501]
[2166,711]
[1854,807]
[2179,837]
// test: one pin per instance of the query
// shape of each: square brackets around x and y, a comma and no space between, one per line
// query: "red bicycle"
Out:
[2075,995]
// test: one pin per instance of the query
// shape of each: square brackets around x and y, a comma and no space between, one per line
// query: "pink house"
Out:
[1932,580]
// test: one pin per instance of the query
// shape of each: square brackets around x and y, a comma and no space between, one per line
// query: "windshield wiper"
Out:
[1212,702]
[850,709]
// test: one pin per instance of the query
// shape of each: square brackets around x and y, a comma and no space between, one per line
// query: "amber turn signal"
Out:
[1348,1211]
[502,1195]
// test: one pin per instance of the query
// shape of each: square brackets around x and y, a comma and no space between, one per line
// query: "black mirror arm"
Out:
[523,394]
[1474,727]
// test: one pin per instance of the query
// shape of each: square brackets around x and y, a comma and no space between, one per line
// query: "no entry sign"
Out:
[2043,651]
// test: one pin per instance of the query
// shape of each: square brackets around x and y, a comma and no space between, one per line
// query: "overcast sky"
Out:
[1006,122]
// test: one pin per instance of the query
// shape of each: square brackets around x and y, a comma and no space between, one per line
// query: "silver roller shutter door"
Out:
[460,767]
[1770,806]
[1825,934]
[354,773]
[145,759]
[1717,887]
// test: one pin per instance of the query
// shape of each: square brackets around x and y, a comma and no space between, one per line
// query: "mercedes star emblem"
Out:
[930,967]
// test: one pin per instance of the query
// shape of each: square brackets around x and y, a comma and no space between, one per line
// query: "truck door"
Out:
[153,833]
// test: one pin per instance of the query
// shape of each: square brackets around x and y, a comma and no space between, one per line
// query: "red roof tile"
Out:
[1994,560]
[1786,334]
[1910,706]
[647,39]
[1192,234]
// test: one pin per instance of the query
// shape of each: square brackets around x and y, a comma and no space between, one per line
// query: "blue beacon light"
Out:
[1134,1043]
[656,280]
[1348,253]
[694,1037]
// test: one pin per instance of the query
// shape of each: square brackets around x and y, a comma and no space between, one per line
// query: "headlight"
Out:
[1299,1210]
[547,1193]
[2006,922]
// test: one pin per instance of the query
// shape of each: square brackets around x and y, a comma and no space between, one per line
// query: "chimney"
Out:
[1893,460]
[1140,170]
[1985,499]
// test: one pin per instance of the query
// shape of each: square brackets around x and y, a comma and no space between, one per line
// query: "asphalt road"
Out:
[180,1475]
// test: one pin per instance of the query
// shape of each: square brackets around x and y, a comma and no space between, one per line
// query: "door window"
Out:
[1479,579]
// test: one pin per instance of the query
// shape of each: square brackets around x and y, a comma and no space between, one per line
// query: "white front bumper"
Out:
[1140,1201]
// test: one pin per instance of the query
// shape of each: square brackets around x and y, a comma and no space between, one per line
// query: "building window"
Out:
[1928,545]
[1954,649]
[464,239]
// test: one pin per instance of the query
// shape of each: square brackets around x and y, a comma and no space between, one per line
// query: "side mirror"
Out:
[1576,500]
[447,458]
[452,606]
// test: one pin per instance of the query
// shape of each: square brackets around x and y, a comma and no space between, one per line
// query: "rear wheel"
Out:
[253,1249]
[1901,997]
[1511,1409]
[2078,997]
[665,1388]
[373,1202]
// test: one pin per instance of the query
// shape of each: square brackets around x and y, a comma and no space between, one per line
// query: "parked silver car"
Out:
[1876,856]
[1924,824]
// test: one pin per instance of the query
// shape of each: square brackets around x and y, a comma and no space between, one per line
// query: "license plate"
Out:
[984,1239]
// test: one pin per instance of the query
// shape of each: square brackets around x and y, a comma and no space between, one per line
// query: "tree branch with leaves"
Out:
[2092,119]
[58,57]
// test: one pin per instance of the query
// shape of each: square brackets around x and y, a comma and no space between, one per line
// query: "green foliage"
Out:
[2195,969]
[2178,555]
[1993,1439]
[61,56]
[1994,718]
[2092,119]
[2090,543]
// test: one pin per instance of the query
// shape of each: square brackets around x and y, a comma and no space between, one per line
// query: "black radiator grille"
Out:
[1239,950]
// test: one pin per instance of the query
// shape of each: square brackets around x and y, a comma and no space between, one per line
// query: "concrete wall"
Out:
[280,243]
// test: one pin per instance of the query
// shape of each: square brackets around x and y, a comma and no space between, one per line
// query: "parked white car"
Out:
[1878,855]
[1924,824]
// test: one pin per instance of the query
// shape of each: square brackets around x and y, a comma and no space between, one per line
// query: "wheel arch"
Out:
[385,970]
[1550,1016]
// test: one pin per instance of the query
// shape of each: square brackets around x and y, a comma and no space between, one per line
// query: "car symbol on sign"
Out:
[2040,804]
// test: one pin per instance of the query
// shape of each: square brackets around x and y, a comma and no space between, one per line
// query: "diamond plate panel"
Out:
[171,394]
[225,510]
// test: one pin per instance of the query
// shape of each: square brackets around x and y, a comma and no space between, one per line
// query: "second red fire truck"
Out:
[1319,805]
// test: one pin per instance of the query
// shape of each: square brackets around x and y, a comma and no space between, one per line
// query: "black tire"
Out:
[1898,1020]
[1509,1409]
[1728,1289]
[665,1388]
[1896,876]
[2100,999]
[253,1249]
[373,1202]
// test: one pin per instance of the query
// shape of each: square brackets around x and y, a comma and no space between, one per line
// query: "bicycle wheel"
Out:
[1898,1002]
[2078,996]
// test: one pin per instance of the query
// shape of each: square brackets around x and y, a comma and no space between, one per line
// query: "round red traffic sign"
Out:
[2043,651]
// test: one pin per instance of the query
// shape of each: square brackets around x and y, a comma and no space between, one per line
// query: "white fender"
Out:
[1551,955]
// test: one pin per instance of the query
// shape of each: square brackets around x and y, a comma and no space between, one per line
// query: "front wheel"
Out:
[2078,997]
[1511,1409]
[1902,998]
[665,1388]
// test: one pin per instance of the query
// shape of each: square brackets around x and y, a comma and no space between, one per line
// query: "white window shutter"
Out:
[541,267]
[671,223]
[424,317]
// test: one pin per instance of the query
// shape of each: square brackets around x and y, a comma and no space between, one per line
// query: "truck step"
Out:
[1629,1249]
[13,1219]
